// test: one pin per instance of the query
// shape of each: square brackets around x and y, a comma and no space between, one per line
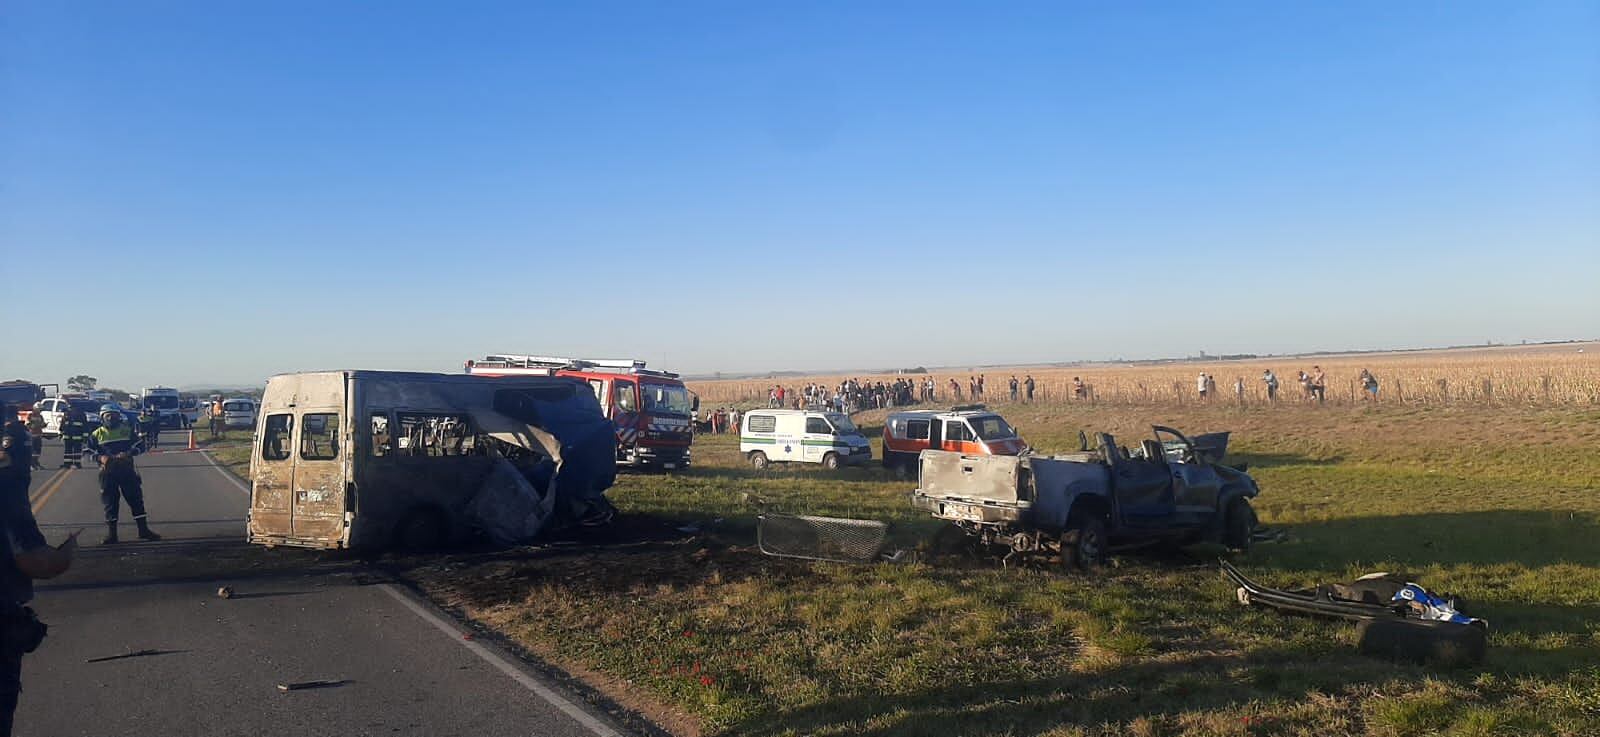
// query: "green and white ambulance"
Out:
[802,436]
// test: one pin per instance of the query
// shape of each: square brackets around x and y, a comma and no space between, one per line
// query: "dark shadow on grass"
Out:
[1274,460]
[1526,537]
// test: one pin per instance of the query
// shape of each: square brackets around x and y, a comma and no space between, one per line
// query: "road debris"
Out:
[226,592]
[133,654]
[306,685]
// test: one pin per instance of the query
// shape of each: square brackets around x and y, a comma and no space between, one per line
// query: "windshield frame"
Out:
[647,390]
[974,422]
[160,401]
[842,424]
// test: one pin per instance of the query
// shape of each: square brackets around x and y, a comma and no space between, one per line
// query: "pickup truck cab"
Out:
[1169,489]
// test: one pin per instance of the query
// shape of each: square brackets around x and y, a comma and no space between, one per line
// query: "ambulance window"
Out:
[917,430]
[319,436]
[275,437]
[956,430]
[622,394]
[819,426]
[382,441]
[897,428]
[763,423]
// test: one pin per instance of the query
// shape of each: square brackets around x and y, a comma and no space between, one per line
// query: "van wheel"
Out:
[1084,543]
[758,460]
[900,470]
[1238,525]
[420,531]
[830,461]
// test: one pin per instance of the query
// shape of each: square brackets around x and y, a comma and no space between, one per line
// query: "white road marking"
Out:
[489,656]
[230,477]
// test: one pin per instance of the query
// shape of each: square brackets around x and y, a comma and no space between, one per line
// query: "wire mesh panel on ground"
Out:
[821,538]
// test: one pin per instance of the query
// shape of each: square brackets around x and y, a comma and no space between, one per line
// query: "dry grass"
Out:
[1537,375]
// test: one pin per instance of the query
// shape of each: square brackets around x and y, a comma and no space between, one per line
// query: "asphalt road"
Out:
[398,666]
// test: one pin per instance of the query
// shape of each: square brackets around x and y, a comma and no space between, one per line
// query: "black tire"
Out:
[900,470]
[830,461]
[1084,543]
[1443,644]
[758,460]
[422,530]
[1238,525]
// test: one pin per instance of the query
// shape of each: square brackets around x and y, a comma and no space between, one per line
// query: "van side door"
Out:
[818,439]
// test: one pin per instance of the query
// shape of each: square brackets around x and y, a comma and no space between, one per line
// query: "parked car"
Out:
[970,429]
[54,410]
[802,436]
[239,413]
[1170,489]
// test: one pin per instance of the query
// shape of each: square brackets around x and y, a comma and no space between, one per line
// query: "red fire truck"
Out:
[652,409]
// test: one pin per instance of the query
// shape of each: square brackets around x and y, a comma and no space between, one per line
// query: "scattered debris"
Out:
[226,592]
[305,685]
[821,538]
[133,654]
[1399,619]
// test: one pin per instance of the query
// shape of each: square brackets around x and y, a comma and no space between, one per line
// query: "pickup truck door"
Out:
[1141,487]
[1195,483]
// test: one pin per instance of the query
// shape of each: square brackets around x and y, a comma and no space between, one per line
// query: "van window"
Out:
[275,437]
[433,435]
[956,430]
[818,426]
[623,398]
[382,444]
[319,436]
[897,427]
[763,423]
[917,430]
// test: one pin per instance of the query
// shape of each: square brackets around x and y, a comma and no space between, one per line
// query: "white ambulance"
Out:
[802,436]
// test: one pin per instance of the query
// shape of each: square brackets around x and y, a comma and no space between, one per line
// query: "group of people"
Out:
[1313,385]
[855,395]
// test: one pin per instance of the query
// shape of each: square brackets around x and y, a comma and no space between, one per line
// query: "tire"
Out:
[900,470]
[830,461]
[758,460]
[1084,543]
[1238,525]
[422,530]
[1442,644]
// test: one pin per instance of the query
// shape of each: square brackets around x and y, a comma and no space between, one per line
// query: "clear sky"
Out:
[217,191]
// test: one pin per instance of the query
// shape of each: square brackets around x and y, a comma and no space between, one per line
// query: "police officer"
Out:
[150,427]
[113,443]
[25,558]
[74,430]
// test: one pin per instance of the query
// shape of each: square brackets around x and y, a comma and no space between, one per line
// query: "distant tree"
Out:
[82,383]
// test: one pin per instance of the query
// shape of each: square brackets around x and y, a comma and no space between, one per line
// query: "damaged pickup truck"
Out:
[376,459]
[1170,490]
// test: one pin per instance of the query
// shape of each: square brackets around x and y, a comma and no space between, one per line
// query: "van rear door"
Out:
[299,473]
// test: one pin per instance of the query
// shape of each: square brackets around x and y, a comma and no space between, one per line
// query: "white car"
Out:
[239,413]
[54,410]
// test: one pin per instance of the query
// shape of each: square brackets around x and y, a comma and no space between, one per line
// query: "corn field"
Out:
[1567,374]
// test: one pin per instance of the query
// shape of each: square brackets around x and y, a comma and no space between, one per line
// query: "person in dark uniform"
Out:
[74,431]
[115,446]
[24,556]
[150,427]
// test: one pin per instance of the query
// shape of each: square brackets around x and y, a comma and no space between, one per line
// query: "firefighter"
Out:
[35,425]
[113,443]
[150,427]
[74,430]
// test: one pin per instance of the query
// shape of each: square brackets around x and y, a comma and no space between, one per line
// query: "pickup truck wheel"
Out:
[1084,543]
[1238,525]
[758,460]
[830,461]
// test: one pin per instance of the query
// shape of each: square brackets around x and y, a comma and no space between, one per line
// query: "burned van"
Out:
[377,459]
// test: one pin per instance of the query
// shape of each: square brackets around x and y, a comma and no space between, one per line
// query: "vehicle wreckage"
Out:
[1171,489]
[376,459]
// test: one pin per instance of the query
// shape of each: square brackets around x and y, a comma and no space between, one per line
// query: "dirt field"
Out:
[1497,503]
[1564,374]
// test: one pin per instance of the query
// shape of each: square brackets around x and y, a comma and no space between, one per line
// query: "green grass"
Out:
[1497,505]
[231,448]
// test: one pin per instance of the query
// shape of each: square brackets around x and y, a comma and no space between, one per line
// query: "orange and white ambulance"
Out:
[969,429]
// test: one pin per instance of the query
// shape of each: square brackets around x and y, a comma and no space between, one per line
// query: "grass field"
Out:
[1496,503]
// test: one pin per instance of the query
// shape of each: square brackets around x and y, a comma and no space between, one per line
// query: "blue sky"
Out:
[217,191]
